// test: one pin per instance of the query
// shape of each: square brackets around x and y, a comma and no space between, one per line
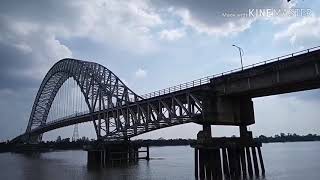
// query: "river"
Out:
[283,161]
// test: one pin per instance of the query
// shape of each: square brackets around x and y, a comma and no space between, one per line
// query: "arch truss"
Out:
[115,110]
[101,89]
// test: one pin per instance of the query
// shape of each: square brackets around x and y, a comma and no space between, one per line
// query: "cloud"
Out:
[27,53]
[207,16]
[33,32]
[126,25]
[301,32]
[34,35]
[219,29]
[15,109]
[141,73]
[172,34]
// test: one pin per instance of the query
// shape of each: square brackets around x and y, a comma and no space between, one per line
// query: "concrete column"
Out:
[261,161]
[232,164]
[217,169]
[101,158]
[201,164]
[94,159]
[225,163]
[237,162]
[243,162]
[207,129]
[208,164]
[148,157]
[136,154]
[249,163]
[255,161]
[243,131]
[212,163]
[196,162]
[130,155]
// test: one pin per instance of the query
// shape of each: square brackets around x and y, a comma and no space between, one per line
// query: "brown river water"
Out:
[283,161]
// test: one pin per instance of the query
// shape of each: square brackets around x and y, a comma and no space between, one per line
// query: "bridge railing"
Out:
[59,120]
[206,80]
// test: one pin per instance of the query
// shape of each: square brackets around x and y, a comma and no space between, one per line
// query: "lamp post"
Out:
[241,53]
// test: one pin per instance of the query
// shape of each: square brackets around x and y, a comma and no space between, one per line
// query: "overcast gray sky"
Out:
[152,45]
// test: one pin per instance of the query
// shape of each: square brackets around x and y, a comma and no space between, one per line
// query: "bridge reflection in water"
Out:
[224,99]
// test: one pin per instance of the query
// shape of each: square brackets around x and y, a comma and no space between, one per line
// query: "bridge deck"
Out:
[185,103]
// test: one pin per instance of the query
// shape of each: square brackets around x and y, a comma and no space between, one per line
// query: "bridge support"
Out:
[114,154]
[35,139]
[228,158]
[226,110]
[31,139]
[225,158]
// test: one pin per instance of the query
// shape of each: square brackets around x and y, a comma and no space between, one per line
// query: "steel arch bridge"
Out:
[115,110]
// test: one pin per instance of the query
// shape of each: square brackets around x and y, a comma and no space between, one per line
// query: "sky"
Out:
[153,45]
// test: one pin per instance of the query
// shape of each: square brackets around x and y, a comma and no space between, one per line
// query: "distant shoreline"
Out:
[65,144]
[67,147]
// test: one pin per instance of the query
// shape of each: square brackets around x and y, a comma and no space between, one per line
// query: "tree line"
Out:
[67,143]
[282,137]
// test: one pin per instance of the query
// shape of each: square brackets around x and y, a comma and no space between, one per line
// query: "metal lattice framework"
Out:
[115,110]
[97,83]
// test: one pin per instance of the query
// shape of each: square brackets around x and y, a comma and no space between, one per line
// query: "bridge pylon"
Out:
[27,139]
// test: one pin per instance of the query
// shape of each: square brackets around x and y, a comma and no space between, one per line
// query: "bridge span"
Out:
[222,99]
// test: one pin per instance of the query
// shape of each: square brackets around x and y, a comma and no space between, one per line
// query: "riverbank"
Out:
[66,144]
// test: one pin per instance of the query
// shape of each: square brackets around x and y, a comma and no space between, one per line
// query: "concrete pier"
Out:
[227,158]
[222,158]
[114,154]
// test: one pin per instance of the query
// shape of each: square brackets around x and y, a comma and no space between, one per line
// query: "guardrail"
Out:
[59,120]
[206,80]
